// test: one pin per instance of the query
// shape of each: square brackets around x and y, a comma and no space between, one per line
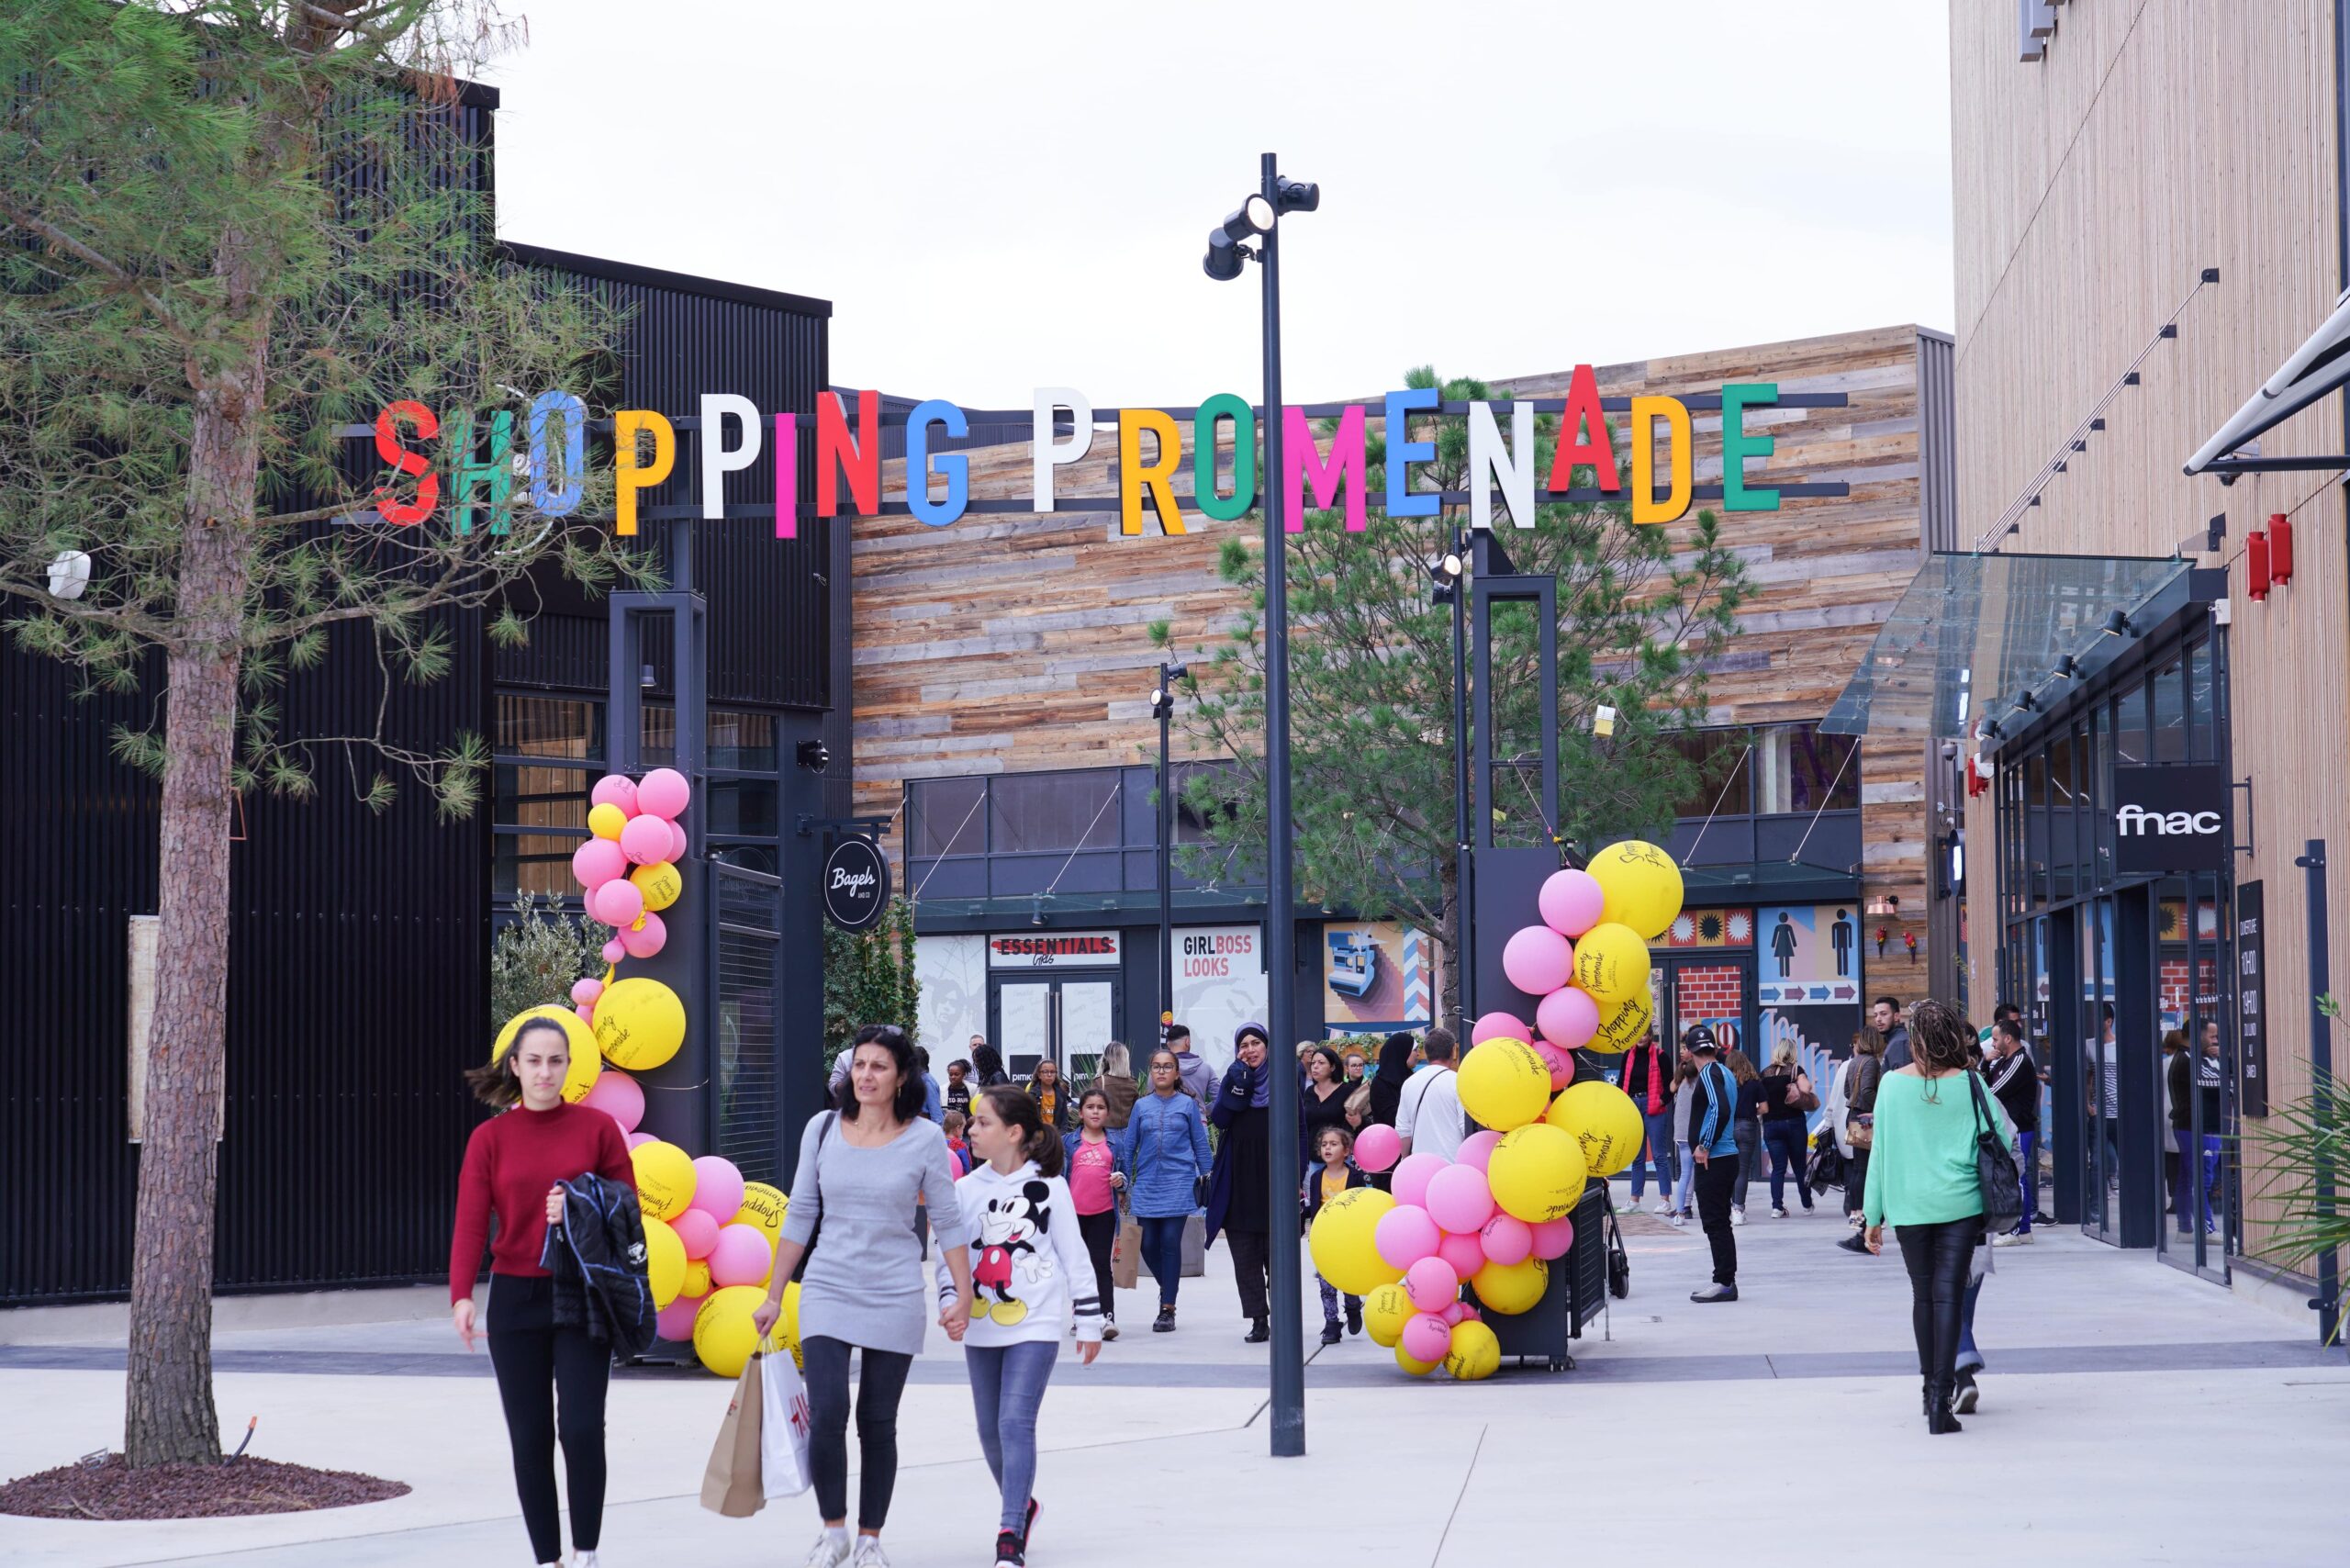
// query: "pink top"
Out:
[1089,1176]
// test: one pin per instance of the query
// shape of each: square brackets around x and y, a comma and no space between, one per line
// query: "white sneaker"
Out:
[2013,1239]
[1775,1214]
[582,1560]
[830,1551]
[870,1553]
[1680,1222]
[1738,1216]
[1663,1210]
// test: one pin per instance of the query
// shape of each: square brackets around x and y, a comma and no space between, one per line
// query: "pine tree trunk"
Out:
[169,1415]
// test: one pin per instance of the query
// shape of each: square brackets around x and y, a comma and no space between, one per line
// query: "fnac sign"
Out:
[2170,819]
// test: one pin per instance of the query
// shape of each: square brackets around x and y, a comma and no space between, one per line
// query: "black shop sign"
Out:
[856,884]
[2169,819]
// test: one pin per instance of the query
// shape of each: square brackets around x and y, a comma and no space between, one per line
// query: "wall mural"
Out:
[1808,980]
[1377,976]
[953,973]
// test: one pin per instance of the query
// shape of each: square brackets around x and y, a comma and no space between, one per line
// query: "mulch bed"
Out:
[110,1489]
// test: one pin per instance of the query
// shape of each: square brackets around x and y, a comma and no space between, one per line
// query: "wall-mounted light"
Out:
[2067,667]
[2025,700]
[2119,624]
[814,756]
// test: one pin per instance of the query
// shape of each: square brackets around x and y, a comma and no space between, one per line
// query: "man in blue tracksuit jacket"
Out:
[1713,1137]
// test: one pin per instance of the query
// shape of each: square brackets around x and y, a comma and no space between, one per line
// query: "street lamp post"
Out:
[1259,216]
[1162,702]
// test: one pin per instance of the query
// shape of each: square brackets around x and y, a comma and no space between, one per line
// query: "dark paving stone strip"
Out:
[1593,1364]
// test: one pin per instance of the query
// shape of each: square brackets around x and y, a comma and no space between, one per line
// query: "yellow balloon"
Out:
[1385,1312]
[660,884]
[1342,1244]
[697,1278]
[723,1336]
[763,1206]
[639,1022]
[1621,1028]
[664,1181]
[1604,1121]
[1417,1369]
[1611,962]
[1476,1351]
[587,1062]
[787,1328]
[1641,884]
[1537,1173]
[606,820]
[1510,1288]
[1503,1084]
[665,1266]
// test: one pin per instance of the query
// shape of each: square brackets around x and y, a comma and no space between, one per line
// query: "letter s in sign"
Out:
[406,514]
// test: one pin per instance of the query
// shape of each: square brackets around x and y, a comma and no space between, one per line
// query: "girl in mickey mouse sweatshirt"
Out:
[1032,1278]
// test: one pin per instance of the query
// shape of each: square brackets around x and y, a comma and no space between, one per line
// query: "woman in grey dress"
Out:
[862,1166]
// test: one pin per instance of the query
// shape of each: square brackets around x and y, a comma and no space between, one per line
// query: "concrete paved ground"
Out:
[2132,1413]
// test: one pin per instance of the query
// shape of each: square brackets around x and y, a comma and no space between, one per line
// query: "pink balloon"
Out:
[718,1187]
[1465,1253]
[1537,960]
[620,1097]
[618,902]
[742,1256]
[1476,1150]
[1458,1313]
[1499,1027]
[1468,1314]
[645,840]
[615,790]
[664,794]
[1414,1172]
[1427,1337]
[596,862]
[1507,1239]
[586,991]
[643,942]
[638,1140]
[1571,902]
[1562,1065]
[586,1014]
[1405,1235]
[1458,1199]
[698,1230]
[1553,1238]
[1377,1148]
[1568,1018]
[614,952]
[676,1319]
[1432,1284]
[678,844]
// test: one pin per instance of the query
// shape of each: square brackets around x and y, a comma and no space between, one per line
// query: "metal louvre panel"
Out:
[748,950]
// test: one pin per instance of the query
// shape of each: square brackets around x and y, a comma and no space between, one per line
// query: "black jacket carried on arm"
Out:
[598,1258]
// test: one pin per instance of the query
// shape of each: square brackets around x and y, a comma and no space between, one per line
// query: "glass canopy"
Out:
[1971,631]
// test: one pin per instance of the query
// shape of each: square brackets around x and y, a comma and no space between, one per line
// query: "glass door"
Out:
[2101,1140]
[1061,1016]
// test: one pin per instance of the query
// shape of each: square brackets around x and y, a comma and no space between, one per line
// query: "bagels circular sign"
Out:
[856,884]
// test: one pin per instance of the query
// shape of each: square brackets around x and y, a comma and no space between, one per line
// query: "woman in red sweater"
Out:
[515,1164]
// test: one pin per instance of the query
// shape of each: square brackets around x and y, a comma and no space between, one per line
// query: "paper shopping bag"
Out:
[783,1427]
[1126,1256]
[732,1485]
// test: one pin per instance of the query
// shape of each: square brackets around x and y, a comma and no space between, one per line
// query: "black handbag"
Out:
[1994,1168]
[799,1270]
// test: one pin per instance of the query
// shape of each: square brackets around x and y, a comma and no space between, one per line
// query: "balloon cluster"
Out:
[1492,1218]
[710,1235]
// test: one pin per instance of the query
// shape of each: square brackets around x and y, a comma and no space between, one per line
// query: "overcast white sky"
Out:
[1000,197]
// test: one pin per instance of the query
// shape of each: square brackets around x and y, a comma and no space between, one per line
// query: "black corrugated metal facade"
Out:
[359,946]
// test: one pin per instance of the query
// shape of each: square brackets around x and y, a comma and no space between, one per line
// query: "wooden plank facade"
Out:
[2092,187]
[1021,642]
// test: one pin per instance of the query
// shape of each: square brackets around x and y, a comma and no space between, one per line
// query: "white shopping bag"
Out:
[783,1425]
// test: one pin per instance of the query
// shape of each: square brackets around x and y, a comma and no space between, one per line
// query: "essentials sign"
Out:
[2169,819]
[1055,950]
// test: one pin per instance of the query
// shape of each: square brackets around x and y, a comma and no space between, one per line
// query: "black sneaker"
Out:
[1354,1315]
[1856,1242]
[1028,1523]
[1969,1396]
[1259,1330]
[1332,1333]
[1008,1552]
[1109,1326]
[1164,1322]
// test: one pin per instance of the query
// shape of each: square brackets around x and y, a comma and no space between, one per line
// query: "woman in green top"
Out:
[1923,1182]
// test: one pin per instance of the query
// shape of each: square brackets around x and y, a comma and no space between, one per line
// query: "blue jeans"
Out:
[2183,1138]
[1162,1253]
[2028,1171]
[1007,1386]
[1687,1178]
[1788,1142]
[1657,1147]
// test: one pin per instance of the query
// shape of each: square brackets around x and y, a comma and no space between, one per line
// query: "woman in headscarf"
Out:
[1395,1069]
[1240,1187]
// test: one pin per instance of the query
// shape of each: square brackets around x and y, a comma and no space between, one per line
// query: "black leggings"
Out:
[1251,1271]
[1937,1257]
[1100,1230]
[881,1382]
[552,1382]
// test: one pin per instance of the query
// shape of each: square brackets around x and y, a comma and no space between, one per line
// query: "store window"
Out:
[546,754]
[1033,811]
